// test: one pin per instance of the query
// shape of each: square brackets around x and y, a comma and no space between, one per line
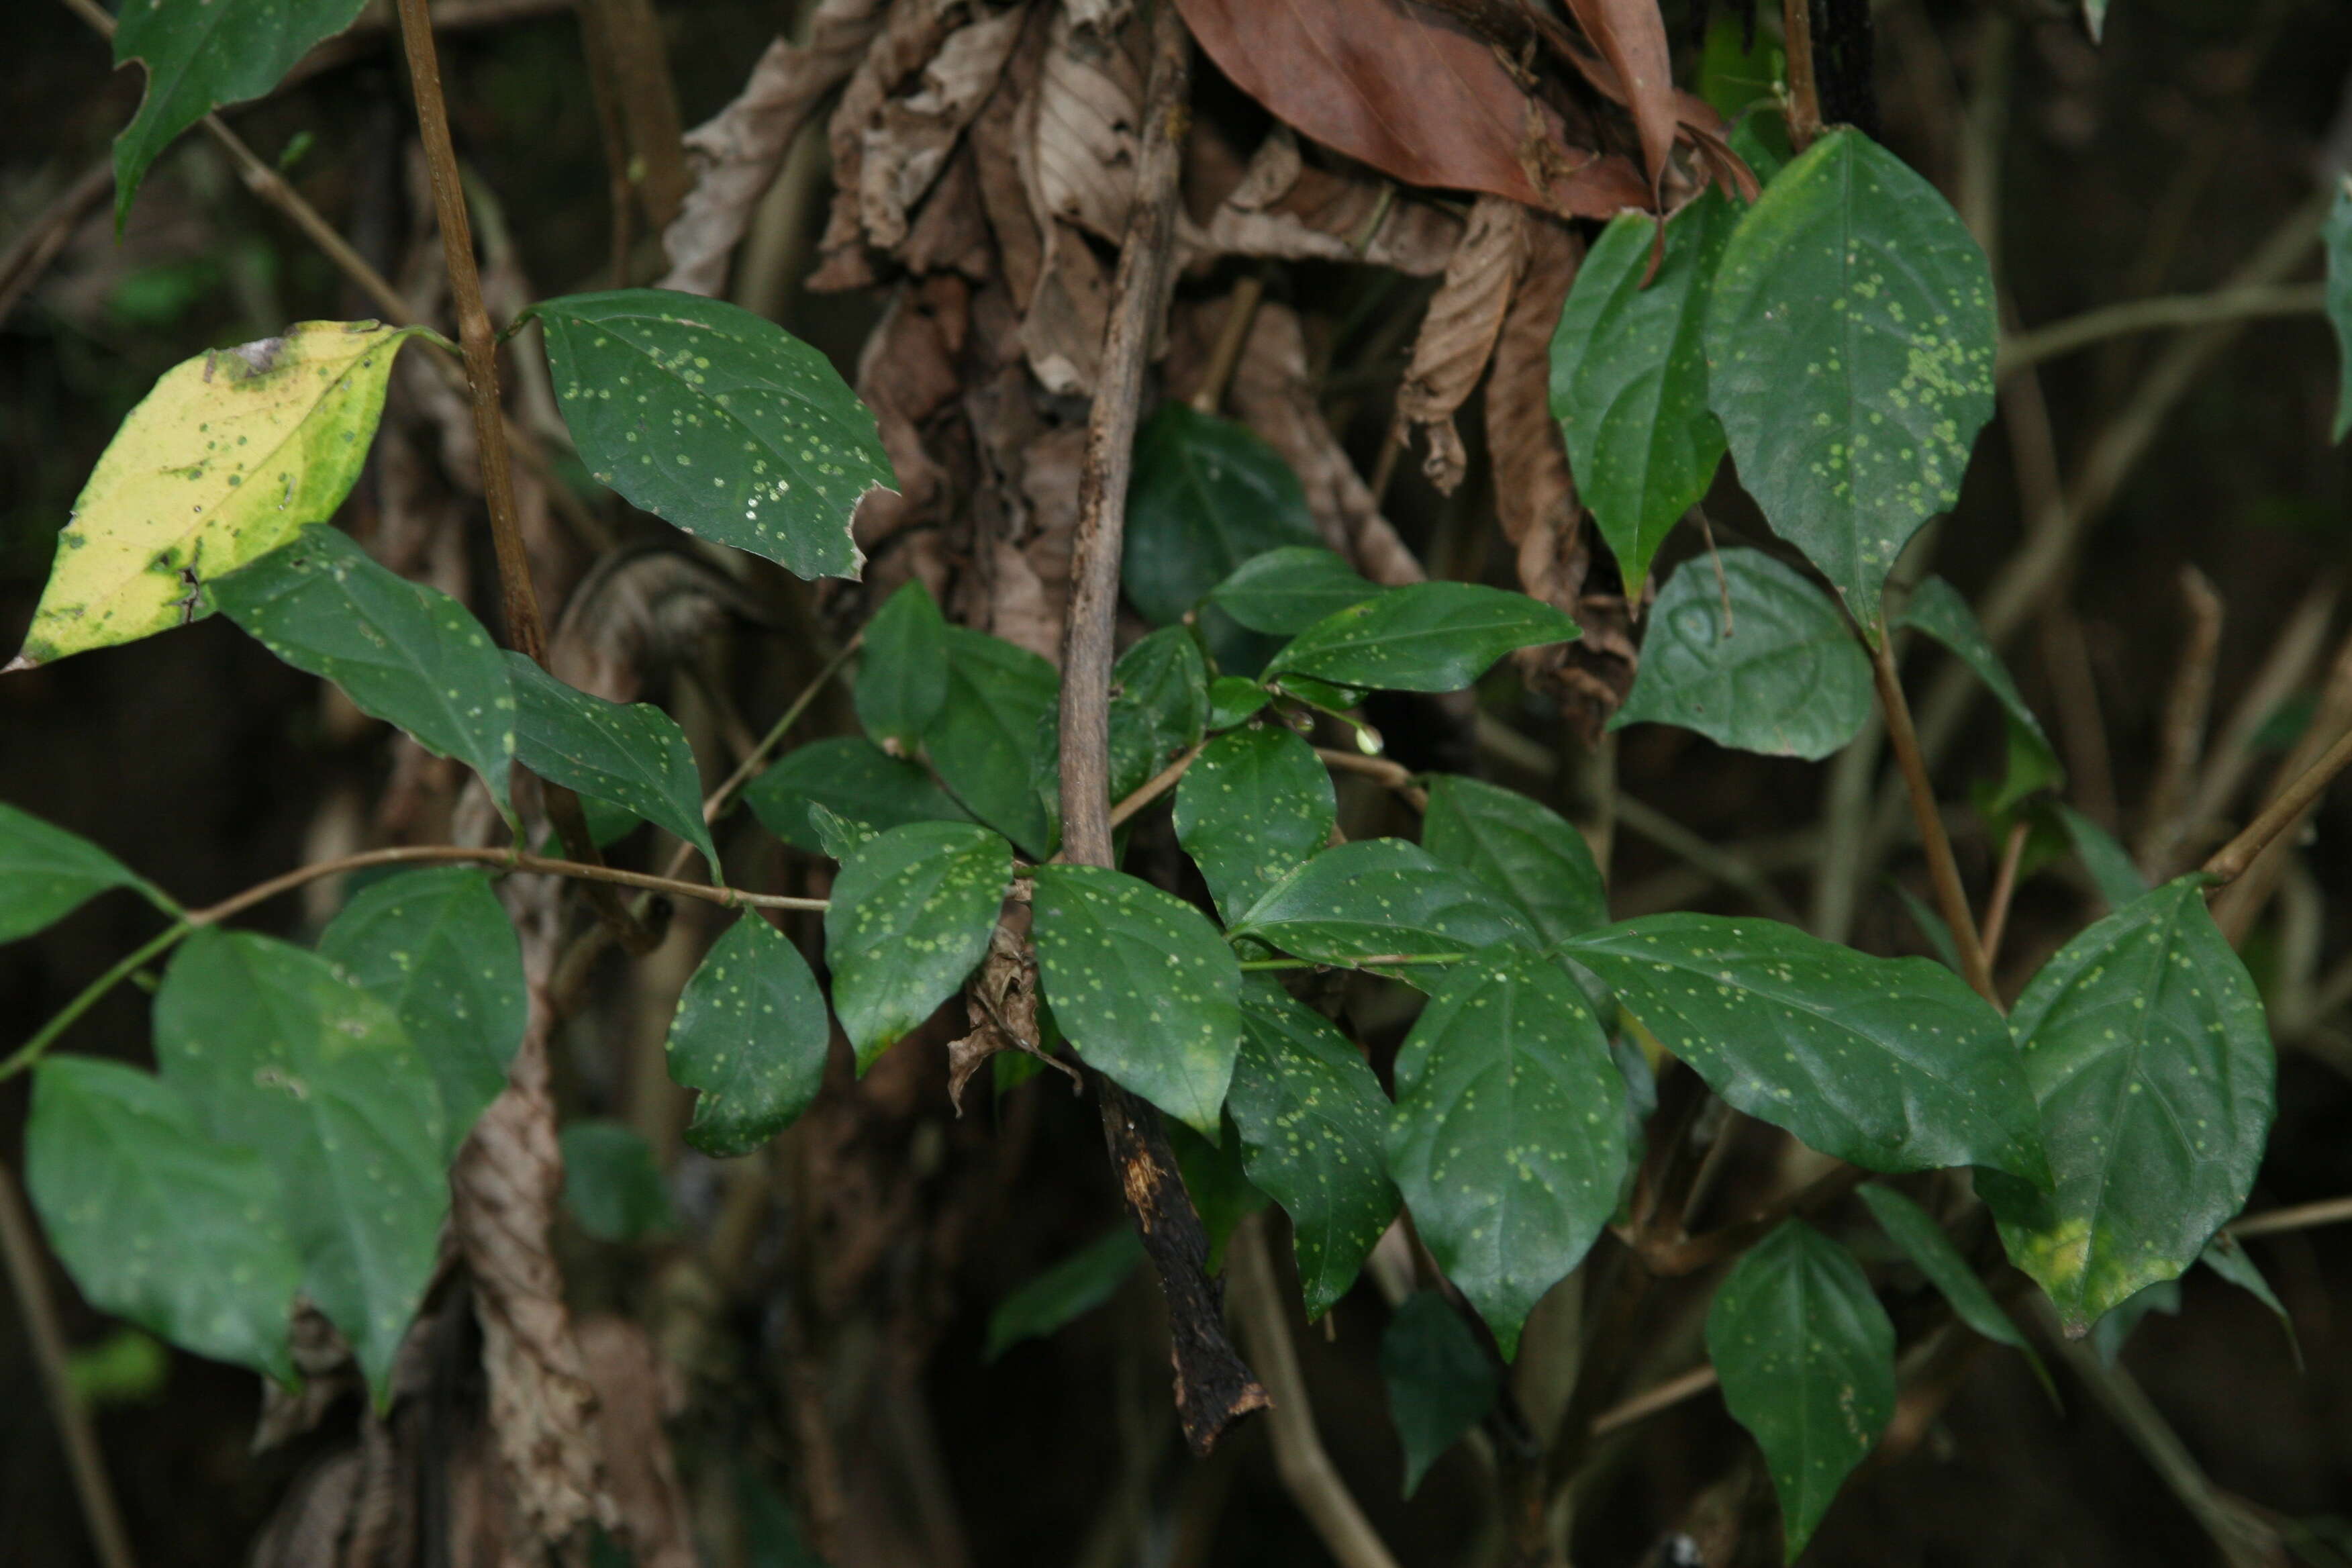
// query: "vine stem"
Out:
[2230,861]
[2253,301]
[1155,786]
[1804,94]
[1942,868]
[23,1250]
[2302,1217]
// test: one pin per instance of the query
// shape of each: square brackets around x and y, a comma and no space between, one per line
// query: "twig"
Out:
[2251,303]
[1233,336]
[2285,669]
[1155,786]
[1721,865]
[1380,770]
[2004,888]
[2164,820]
[1651,1401]
[1941,867]
[28,1053]
[2286,808]
[2302,1217]
[1804,95]
[1213,1388]
[46,236]
[1306,1471]
[1671,1257]
[720,801]
[99,1511]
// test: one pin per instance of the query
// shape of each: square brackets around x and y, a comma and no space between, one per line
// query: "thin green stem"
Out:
[722,799]
[1385,959]
[32,1050]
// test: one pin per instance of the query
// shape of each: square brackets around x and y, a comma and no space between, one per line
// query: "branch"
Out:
[1380,771]
[1941,867]
[2284,812]
[2302,1217]
[1804,95]
[1651,1401]
[2254,302]
[1213,1389]
[1155,786]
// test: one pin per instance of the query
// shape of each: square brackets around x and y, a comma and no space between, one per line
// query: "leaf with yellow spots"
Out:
[1806,1355]
[717,420]
[910,917]
[2146,1046]
[225,460]
[750,1033]
[1524,851]
[1508,1136]
[630,753]
[1143,987]
[1382,899]
[1252,807]
[1312,1122]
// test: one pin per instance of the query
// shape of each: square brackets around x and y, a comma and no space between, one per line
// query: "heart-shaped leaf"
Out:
[910,917]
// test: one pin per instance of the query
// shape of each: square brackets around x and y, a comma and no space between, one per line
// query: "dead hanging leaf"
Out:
[737,152]
[913,31]
[642,613]
[1084,129]
[904,151]
[950,234]
[1631,36]
[1062,330]
[1457,335]
[907,374]
[1414,94]
[1001,1005]
[1284,210]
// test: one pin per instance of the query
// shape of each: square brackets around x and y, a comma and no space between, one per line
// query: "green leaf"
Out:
[717,420]
[1526,852]
[1424,636]
[157,1221]
[2337,236]
[910,917]
[853,777]
[223,462]
[1629,377]
[2225,1257]
[1069,1290]
[1924,1242]
[632,755]
[1508,1136]
[839,835]
[2094,17]
[751,1033]
[436,945]
[2116,1326]
[1312,1122]
[2111,867]
[902,669]
[1937,609]
[1439,1380]
[1931,924]
[1208,495]
[408,654]
[612,1184]
[2146,1046]
[47,873]
[1850,348]
[1142,985]
[1381,897]
[986,743]
[276,1051]
[1891,1063]
[1806,1357]
[203,56]
[1234,700]
[1159,706]
[1285,590]
[1251,809]
[1782,675]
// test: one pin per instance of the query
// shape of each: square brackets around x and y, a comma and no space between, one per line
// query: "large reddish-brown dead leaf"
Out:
[1413,93]
[1631,36]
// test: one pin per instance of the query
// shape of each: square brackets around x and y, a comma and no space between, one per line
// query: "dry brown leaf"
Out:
[737,152]
[1631,36]
[1414,93]
[950,232]
[908,372]
[1284,210]
[912,33]
[1000,1008]
[1457,335]
[1062,330]
[999,144]
[904,151]
[1084,126]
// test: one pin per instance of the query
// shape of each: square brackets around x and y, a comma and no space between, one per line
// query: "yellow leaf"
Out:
[229,455]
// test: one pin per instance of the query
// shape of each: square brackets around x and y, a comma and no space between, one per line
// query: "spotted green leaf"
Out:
[1251,809]
[1527,853]
[902,670]
[717,420]
[158,1221]
[910,916]
[751,1033]
[1069,1290]
[988,743]
[1234,700]
[203,56]
[1285,590]
[1508,1136]
[1439,1380]
[631,754]
[1629,377]
[1915,1230]
[403,652]
[610,1182]
[1891,1063]
[1849,349]
[1158,706]
[47,873]
[853,777]
[2145,1044]
[225,460]
[436,945]
[1312,1121]
[1143,987]
[1937,609]
[1424,636]
[1806,1356]
[1208,495]
[2337,236]
[277,1051]
[1381,898]
[1778,673]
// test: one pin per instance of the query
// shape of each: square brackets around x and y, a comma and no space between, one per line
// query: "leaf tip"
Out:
[21,661]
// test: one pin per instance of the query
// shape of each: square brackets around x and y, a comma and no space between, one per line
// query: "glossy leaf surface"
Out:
[902,670]
[632,755]
[1381,897]
[911,912]
[1251,810]
[1159,706]
[1425,637]
[47,873]
[988,739]
[853,777]
[1208,494]
[1285,590]
[1525,851]
[751,1033]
